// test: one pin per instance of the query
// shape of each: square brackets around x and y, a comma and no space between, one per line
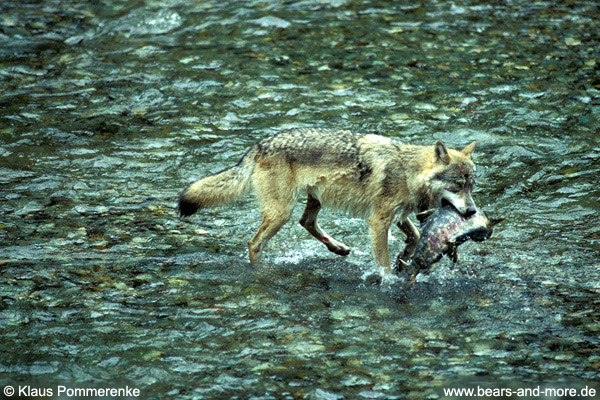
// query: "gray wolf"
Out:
[371,176]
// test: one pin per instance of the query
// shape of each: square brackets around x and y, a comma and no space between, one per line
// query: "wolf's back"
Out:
[223,187]
[292,149]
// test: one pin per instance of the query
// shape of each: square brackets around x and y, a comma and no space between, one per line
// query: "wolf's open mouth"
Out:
[446,202]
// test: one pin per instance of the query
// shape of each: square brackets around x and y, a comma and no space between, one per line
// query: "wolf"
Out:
[366,175]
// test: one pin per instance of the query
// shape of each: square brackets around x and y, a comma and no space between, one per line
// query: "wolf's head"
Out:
[451,179]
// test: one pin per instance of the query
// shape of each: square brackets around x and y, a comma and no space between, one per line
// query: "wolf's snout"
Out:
[466,210]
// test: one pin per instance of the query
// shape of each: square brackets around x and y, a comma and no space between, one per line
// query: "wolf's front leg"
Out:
[379,225]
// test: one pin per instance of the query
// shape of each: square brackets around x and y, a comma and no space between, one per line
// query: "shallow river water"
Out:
[109,108]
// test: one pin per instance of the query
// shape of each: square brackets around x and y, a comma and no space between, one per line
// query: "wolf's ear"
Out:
[441,152]
[469,149]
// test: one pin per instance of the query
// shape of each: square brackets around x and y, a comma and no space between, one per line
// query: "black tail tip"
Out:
[186,207]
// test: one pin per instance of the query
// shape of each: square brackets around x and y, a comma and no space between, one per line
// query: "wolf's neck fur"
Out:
[418,161]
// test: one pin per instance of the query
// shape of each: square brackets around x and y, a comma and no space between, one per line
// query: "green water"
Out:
[108,109]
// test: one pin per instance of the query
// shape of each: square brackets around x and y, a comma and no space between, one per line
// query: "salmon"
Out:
[442,231]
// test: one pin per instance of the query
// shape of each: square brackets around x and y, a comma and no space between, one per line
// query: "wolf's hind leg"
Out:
[309,221]
[271,224]
[274,185]
[412,238]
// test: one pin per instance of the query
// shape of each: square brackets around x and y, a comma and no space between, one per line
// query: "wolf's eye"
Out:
[456,186]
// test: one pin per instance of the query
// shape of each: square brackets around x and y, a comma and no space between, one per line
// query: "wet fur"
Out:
[365,175]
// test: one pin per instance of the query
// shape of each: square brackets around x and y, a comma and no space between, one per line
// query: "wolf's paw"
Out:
[336,247]
[379,277]
[342,251]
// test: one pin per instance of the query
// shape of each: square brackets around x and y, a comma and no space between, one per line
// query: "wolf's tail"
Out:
[223,187]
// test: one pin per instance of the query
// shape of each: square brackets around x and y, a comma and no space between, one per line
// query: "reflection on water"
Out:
[108,109]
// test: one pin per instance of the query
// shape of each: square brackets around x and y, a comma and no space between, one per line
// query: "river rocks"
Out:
[109,109]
